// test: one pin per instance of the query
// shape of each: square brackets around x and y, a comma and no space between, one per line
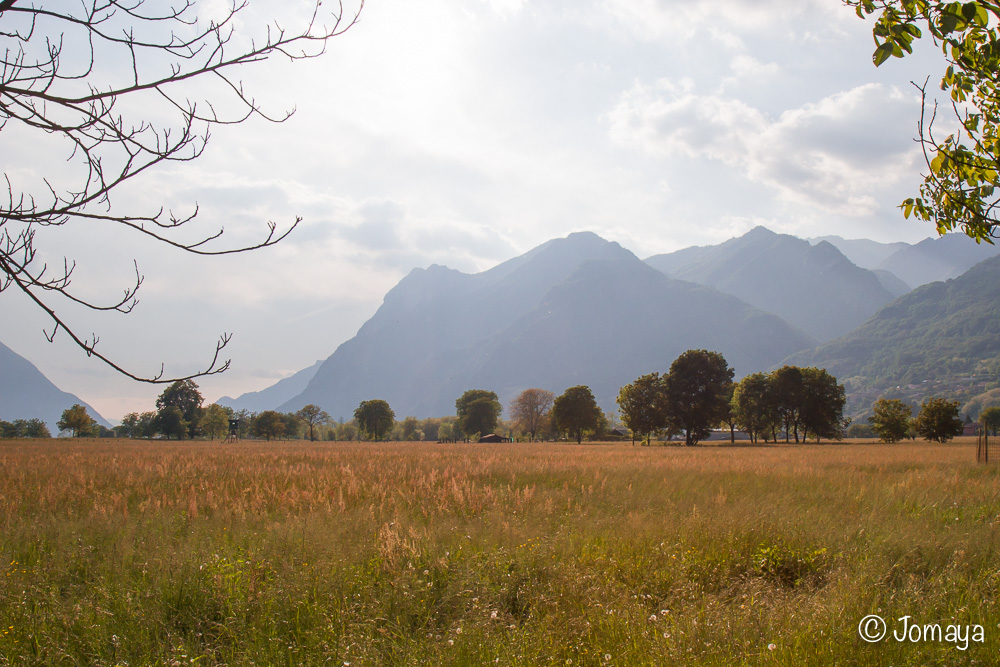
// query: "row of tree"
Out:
[533,411]
[938,420]
[24,428]
[698,394]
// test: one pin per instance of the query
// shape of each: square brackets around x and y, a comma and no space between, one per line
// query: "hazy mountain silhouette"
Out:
[25,393]
[276,394]
[815,287]
[865,253]
[938,258]
[578,310]
[937,331]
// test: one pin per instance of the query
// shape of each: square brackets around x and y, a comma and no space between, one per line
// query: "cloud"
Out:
[837,154]
[723,20]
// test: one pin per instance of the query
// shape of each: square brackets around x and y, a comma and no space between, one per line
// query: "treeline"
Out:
[24,428]
[698,394]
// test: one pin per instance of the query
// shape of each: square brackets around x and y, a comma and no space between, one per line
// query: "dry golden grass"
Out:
[416,553]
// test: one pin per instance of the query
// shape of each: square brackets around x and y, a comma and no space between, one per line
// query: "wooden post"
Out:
[983,445]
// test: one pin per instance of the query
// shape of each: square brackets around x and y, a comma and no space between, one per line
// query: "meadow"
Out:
[117,552]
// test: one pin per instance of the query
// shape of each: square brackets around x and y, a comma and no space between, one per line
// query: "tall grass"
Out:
[113,552]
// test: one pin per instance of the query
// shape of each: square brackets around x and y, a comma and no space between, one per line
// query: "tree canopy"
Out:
[118,90]
[313,415]
[641,405]
[375,418]
[530,408]
[890,419]
[960,187]
[695,393]
[78,421]
[185,397]
[938,420]
[576,411]
[478,411]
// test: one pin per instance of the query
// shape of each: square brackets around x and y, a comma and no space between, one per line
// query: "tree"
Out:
[184,396]
[960,187]
[410,429]
[170,422]
[938,420]
[754,406]
[788,385]
[823,401]
[529,409]
[576,412]
[695,392]
[35,428]
[375,418]
[214,420]
[269,424]
[313,415]
[990,419]
[76,420]
[478,411]
[890,419]
[641,405]
[24,428]
[119,89]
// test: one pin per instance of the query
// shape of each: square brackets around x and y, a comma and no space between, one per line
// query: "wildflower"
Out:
[451,642]
[771,647]
[607,656]
[493,614]
[652,618]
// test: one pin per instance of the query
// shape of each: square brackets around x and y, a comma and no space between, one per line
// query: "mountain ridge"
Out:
[422,348]
[26,393]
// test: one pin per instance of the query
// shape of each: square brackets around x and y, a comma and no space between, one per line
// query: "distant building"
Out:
[493,437]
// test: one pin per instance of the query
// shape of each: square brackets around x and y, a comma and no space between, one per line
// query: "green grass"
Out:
[113,552]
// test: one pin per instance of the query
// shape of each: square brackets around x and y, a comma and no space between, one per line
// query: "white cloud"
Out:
[837,154]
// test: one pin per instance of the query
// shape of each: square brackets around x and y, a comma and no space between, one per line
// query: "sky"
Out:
[465,134]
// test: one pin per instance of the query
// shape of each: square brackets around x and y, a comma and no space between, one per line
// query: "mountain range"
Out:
[25,393]
[813,286]
[579,310]
[583,310]
[939,330]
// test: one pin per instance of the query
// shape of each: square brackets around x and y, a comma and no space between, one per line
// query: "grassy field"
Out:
[117,552]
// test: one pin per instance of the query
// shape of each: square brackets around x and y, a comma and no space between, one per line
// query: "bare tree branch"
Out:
[76,97]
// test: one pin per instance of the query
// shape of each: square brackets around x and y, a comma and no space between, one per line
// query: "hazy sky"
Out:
[466,133]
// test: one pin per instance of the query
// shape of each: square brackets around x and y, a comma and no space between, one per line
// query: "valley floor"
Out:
[122,552]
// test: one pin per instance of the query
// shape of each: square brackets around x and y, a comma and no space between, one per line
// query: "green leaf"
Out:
[882,53]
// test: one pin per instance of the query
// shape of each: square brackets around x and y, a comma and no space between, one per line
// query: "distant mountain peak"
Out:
[760,231]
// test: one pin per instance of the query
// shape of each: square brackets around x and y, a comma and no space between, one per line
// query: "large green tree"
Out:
[695,393]
[375,418]
[184,396]
[530,409]
[788,387]
[890,419]
[823,401]
[78,421]
[754,406]
[576,412]
[641,406]
[938,420]
[963,169]
[170,422]
[478,411]
[271,424]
